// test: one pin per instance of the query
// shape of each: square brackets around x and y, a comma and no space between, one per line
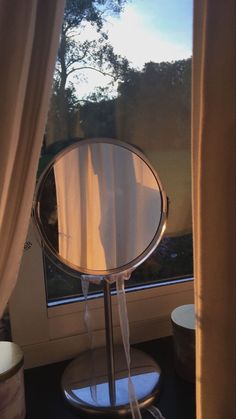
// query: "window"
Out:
[107,86]
[124,72]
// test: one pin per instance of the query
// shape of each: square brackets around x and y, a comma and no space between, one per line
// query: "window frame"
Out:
[52,334]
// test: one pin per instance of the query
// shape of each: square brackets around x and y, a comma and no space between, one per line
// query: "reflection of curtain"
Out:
[78,208]
[108,206]
[29,33]
[214,206]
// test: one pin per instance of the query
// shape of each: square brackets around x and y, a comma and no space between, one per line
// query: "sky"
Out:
[153,30]
[146,30]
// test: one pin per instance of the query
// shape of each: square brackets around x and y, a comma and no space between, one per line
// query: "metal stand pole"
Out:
[111,380]
[109,342]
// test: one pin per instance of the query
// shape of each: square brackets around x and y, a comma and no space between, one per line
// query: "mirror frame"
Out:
[51,251]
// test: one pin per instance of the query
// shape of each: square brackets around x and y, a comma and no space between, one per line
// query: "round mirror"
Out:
[99,207]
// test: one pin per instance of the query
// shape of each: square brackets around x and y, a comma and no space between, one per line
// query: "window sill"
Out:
[149,318]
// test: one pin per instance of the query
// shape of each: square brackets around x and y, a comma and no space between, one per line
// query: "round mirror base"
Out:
[85,384]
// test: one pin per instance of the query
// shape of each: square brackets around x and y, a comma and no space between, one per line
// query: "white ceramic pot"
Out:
[12,394]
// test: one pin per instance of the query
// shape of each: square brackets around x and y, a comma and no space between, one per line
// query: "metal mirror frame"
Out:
[39,225]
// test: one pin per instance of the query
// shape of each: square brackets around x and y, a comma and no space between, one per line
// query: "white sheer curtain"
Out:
[108,206]
[214,209]
[29,36]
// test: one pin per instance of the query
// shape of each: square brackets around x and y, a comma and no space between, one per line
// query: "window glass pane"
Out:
[124,71]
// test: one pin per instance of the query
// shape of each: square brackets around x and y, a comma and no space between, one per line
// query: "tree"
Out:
[76,54]
[154,105]
[98,118]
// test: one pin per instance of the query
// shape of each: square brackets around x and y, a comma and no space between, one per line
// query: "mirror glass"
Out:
[105,210]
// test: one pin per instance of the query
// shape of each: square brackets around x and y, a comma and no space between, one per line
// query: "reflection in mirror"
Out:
[106,210]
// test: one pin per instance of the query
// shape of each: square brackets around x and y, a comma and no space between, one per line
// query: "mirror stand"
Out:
[100,209]
[96,382]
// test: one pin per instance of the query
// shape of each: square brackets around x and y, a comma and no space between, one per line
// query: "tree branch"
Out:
[77,58]
[94,69]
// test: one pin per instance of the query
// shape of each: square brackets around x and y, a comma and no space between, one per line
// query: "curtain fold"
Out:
[214,209]
[29,36]
[106,231]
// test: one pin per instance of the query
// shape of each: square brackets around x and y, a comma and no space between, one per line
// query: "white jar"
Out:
[183,325]
[12,394]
